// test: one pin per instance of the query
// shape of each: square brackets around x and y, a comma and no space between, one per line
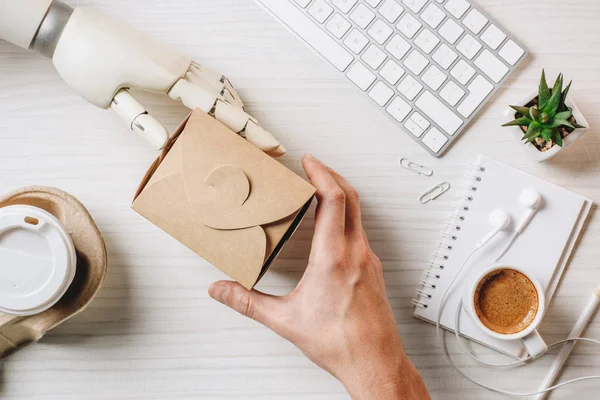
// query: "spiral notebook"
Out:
[543,249]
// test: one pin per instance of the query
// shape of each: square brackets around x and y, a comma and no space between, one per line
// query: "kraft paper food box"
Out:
[223,198]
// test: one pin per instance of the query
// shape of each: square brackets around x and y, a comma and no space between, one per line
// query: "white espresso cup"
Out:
[530,337]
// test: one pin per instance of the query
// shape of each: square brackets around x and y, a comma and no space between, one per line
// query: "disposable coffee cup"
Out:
[37,260]
[529,336]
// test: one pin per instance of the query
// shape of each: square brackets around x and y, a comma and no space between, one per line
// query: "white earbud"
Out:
[500,221]
[531,200]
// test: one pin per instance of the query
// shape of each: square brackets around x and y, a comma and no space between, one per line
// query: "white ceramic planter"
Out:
[530,149]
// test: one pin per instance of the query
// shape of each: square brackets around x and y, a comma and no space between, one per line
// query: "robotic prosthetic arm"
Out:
[102,58]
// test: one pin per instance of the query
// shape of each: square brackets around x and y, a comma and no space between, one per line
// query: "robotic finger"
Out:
[202,94]
[213,82]
[136,115]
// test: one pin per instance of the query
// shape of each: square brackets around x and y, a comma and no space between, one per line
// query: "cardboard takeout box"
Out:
[223,198]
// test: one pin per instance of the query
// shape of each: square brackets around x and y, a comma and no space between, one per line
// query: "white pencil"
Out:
[580,326]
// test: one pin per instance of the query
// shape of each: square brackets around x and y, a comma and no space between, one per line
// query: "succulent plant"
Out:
[546,117]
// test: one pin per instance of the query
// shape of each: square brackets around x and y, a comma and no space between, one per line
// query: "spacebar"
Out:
[308,31]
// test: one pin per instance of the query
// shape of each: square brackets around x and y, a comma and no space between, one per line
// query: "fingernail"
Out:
[313,158]
[218,291]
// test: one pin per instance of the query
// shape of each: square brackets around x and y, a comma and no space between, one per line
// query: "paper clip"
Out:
[416,168]
[435,192]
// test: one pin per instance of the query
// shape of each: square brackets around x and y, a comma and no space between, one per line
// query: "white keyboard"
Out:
[429,64]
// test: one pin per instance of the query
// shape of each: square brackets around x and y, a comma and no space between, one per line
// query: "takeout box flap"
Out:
[239,253]
[231,185]
[224,199]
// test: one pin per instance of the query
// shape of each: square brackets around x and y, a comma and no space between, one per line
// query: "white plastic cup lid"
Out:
[37,260]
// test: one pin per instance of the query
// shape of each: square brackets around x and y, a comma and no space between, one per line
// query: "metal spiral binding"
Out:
[449,236]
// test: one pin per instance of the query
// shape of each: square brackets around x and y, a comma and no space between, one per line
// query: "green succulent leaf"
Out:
[576,125]
[530,139]
[523,121]
[521,110]
[533,131]
[552,105]
[562,106]
[544,91]
[561,122]
[564,115]
[557,138]
[547,134]
[534,113]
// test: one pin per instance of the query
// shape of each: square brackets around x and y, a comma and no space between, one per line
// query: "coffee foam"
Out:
[506,301]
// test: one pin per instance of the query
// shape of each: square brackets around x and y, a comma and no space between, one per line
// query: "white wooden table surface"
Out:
[153,333]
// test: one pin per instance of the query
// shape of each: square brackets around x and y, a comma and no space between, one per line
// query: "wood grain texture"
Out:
[153,333]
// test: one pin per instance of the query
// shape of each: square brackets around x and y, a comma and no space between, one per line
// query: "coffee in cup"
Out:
[506,301]
[508,304]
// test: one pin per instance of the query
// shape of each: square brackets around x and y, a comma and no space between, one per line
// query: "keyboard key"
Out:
[491,66]
[356,41]
[433,16]
[434,78]
[511,52]
[468,46]
[475,21]
[435,110]
[452,93]
[398,47]
[338,26]
[361,76]
[344,5]
[444,56]
[373,3]
[416,62]
[451,31]
[320,10]
[463,72]
[493,36]
[410,87]
[427,41]
[374,57]
[409,25]
[391,10]
[413,128]
[399,109]
[362,16]
[391,72]
[381,93]
[303,3]
[458,8]
[380,31]
[435,140]
[478,91]
[415,5]
[420,120]
[312,34]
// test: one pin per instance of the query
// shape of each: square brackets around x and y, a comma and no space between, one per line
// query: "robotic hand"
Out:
[102,58]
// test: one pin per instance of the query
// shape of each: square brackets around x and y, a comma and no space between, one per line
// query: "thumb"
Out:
[255,305]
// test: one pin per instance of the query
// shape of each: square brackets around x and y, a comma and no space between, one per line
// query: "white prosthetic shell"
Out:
[116,55]
[20,20]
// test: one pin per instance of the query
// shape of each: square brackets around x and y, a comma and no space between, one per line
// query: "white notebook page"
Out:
[543,248]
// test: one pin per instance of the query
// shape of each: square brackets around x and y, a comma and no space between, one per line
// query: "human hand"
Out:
[338,315]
